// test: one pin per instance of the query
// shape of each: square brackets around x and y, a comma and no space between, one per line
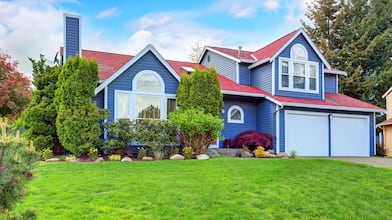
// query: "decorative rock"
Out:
[52,160]
[202,157]
[246,154]
[177,157]
[99,159]
[212,153]
[126,159]
[147,158]
[282,154]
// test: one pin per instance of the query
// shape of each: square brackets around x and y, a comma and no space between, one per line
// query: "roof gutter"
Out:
[333,107]
[249,94]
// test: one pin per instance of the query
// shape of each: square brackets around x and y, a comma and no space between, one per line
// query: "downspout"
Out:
[276,115]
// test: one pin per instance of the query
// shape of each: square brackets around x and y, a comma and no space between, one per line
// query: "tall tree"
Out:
[15,90]
[39,119]
[77,116]
[196,52]
[201,90]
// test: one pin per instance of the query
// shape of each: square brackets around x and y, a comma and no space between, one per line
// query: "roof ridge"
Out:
[296,30]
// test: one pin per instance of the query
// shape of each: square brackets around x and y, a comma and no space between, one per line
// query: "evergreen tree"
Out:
[201,90]
[77,116]
[39,119]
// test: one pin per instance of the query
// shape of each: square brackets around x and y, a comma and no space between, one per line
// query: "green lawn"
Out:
[221,188]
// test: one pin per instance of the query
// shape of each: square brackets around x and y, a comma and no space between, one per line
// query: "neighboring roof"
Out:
[334,101]
[335,71]
[385,123]
[387,93]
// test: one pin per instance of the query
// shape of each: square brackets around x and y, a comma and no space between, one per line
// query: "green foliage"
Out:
[355,36]
[293,154]
[39,119]
[120,135]
[77,116]
[188,152]
[17,158]
[15,89]
[156,135]
[47,153]
[201,90]
[196,129]
[93,153]
[142,152]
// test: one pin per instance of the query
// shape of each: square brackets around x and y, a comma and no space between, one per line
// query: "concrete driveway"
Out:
[371,161]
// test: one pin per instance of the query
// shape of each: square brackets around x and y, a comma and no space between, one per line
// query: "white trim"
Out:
[330,107]
[148,48]
[337,72]
[233,107]
[249,94]
[322,84]
[277,129]
[273,78]
[237,66]
[337,84]
[291,63]
[143,72]
[65,15]
[219,53]
[258,63]
[105,98]
[374,134]
[115,108]
[387,92]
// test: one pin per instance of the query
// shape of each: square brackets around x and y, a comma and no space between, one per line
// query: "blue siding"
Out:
[330,83]
[312,56]
[99,99]
[124,81]
[244,74]
[72,36]
[222,65]
[231,130]
[282,124]
[261,77]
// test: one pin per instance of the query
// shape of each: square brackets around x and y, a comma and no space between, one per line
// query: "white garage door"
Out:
[306,133]
[350,135]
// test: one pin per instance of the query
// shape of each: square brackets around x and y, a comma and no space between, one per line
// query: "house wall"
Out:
[261,77]
[389,105]
[231,130]
[222,65]
[124,81]
[388,139]
[282,124]
[330,83]
[99,99]
[312,56]
[244,74]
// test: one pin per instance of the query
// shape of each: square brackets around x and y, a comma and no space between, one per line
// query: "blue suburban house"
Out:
[286,88]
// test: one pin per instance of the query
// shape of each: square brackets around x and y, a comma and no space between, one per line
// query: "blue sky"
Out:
[29,28]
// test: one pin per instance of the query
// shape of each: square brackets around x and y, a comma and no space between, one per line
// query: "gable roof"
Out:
[148,48]
[269,52]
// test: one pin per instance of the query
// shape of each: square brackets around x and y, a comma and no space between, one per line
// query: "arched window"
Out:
[235,114]
[148,82]
[298,52]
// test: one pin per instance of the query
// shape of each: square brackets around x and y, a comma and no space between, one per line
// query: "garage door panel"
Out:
[307,133]
[350,135]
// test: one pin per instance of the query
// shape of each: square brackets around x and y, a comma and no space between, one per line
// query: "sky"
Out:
[30,28]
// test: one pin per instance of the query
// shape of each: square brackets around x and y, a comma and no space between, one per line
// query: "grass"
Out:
[221,188]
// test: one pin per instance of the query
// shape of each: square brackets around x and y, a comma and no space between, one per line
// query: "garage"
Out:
[350,135]
[309,134]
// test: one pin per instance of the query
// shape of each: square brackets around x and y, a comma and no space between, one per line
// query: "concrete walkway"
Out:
[371,161]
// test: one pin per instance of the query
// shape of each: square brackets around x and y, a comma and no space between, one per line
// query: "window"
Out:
[235,114]
[297,73]
[171,105]
[123,100]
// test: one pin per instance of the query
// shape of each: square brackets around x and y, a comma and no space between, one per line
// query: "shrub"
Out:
[70,158]
[120,134]
[380,150]
[115,157]
[142,152]
[93,153]
[252,139]
[47,153]
[293,154]
[188,152]
[196,129]
[260,152]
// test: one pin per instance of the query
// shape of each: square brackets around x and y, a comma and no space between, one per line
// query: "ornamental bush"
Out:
[120,135]
[252,139]
[196,129]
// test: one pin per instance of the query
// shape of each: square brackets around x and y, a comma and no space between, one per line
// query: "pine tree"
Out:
[39,119]
[77,116]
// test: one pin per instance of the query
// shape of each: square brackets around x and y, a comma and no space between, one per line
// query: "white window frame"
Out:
[116,102]
[235,107]
[291,75]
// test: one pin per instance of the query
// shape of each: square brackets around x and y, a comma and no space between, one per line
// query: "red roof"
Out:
[109,63]
[234,53]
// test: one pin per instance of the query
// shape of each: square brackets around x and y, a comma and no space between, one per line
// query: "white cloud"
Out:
[246,8]
[110,12]
[31,29]
[271,5]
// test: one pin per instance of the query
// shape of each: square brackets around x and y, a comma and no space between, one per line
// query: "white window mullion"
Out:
[291,74]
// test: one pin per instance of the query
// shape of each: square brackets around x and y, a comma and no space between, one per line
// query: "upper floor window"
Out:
[235,114]
[297,73]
